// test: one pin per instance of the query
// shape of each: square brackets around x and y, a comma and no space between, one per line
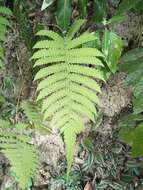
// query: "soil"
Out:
[115,99]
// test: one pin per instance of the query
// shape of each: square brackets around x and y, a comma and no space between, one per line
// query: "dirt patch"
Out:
[115,96]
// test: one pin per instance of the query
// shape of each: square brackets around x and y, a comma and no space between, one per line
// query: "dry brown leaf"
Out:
[88,186]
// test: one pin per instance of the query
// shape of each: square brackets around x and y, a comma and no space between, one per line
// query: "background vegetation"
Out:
[71,101]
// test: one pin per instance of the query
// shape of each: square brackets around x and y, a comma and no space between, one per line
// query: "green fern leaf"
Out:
[85,60]
[35,117]
[3,29]
[4,124]
[54,107]
[50,70]
[42,53]
[51,34]
[53,98]
[2,37]
[49,60]
[90,94]
[67,84]
[84,38]
[86,81]
[23,156]
[4,13]
[4,21]
[51,80]
[70,139]
[91,72]
[85,52]
[49,90]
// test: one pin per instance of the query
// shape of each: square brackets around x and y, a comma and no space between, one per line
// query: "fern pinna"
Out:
[67,84]
[4,12]
[22,155]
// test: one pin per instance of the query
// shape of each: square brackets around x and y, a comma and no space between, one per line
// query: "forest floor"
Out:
[112,163]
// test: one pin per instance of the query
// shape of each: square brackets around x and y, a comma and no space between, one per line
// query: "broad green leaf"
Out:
[139,7]
[100,10]
[46,4]
[137,147]
[132,55]
[133,135]
[126,135]
[112,46]
[132,64]
[82,4]
[116,19]
[126,5]
[128,124]
[63,14]
[138,103]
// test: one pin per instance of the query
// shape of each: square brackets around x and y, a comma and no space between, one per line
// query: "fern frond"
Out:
[67,84]
[5,11]
[23,156]
[3,29]
[4,124]
[35,117]
[32,111]
[2,36]
[4,23]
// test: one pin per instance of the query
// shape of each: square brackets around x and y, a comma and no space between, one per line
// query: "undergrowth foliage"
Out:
[34,116]
[4,23]
[22,155]
[132,125]
[67,85]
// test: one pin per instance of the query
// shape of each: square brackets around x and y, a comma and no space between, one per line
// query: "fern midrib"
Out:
[68,81]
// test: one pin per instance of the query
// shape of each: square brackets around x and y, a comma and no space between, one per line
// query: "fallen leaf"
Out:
[88,186]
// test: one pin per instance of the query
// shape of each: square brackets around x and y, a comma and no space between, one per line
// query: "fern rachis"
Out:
[67,84]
